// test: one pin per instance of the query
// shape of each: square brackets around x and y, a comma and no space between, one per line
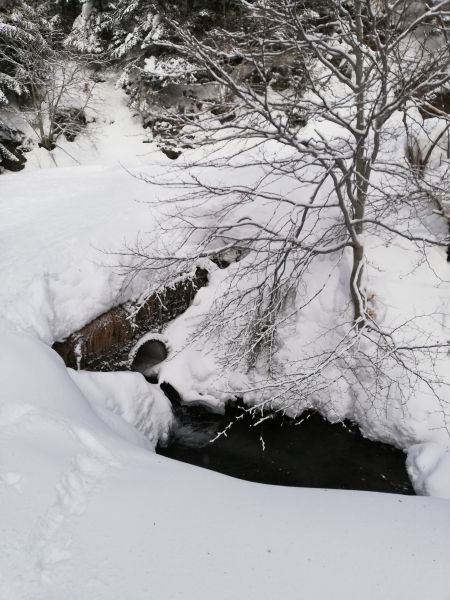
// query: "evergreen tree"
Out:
[137,37]
[24,33]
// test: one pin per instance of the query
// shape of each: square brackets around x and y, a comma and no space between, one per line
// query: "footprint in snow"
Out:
[73,491]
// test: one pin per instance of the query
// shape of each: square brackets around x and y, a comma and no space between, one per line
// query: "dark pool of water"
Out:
[280,451]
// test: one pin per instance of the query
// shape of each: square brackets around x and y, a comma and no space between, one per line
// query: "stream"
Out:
[308,452]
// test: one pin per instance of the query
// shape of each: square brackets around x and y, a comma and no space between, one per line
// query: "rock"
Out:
[12,156]
[69,122]
[171,153]
[436,105]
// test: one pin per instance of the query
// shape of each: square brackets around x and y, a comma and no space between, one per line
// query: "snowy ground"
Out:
[55,274]
[87,510]
[62,216]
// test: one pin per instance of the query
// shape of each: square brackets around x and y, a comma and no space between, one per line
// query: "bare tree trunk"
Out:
[360,196]
[355,285]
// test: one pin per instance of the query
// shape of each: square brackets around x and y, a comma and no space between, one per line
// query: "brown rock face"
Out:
[104,344]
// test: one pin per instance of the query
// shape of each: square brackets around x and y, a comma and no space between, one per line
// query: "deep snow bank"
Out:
[128,396]
[86,514]
[57,228]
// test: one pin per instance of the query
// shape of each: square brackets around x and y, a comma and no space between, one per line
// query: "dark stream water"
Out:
[280,451]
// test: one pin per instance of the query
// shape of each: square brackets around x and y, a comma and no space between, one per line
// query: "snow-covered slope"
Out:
[87,512]
[56,227]
[62,216]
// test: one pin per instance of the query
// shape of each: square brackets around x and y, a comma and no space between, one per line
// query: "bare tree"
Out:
[59,96]
[50,81]
[319,95]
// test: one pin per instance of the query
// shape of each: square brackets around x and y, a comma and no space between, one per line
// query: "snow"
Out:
[191,368]
[195,366]
[408,287]
[89,514]
[127,395]
[88,510]
[428,468]
[114,135]
[170,68]
[59,273]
